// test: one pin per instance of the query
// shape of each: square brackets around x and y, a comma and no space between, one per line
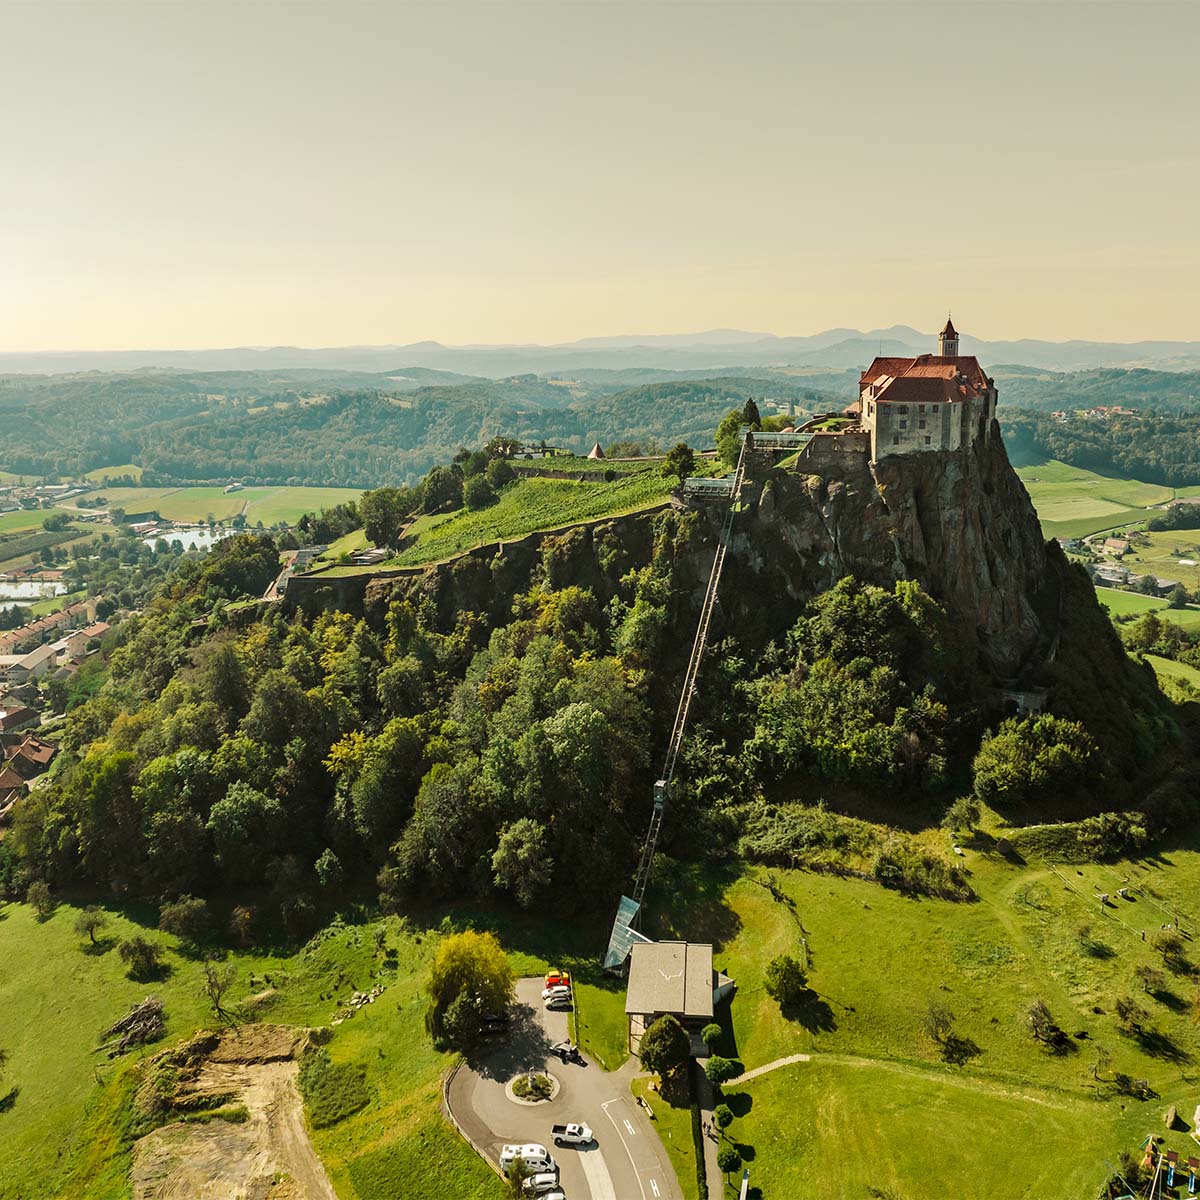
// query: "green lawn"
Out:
[1174,670]
[530,505]
[1073,502]
[1162,554]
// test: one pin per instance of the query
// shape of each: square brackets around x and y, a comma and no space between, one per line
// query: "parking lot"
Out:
[627,1161]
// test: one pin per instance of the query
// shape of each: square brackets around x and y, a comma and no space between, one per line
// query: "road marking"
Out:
[632,1131]
[595,1169]
[624,1143]
[654,1186]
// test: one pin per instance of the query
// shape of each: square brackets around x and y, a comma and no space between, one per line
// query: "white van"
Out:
[536,1157]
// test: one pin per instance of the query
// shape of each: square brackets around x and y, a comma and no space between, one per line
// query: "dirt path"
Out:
[975,1083]
[269,1156]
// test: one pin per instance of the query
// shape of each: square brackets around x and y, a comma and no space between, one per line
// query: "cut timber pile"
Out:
[141,1024]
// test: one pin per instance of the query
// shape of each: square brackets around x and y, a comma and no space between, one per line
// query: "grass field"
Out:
[26,519]
[1073,502]
[1126,604]
[56,995]
[270,505]
[1171,669]
[103,474]
[530,505]
[877,1104]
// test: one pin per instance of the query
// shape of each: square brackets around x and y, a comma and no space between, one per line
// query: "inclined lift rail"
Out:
[624,932]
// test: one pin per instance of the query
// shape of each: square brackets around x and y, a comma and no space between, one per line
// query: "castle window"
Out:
[903,408]
[921,423]
[927,439]
[920,408]
[896,440]
[903,424]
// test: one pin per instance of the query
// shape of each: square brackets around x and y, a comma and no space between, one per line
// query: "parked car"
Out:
[572,1134]
[563,1001]
[557,990]
[555,978]
[492,1024]
[536,1157]
[543,1181]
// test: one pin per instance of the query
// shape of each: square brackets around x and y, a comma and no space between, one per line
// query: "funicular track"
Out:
[628,912]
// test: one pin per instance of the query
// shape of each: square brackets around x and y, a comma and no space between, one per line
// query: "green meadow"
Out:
[1074,502]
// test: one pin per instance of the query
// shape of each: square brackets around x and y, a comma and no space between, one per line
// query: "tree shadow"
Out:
[8,1102]
[1169,999]
[1098,950]
[525,1046]
[740,1103]
[959,1050]
[748,1153]
[1161,1045]
[723,1016]
[156,974]
[812,1011]
[102,945]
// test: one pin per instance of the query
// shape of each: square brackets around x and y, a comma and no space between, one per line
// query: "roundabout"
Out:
[532,1080]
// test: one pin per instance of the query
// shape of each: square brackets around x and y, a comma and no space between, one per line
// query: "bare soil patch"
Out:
[269,1156]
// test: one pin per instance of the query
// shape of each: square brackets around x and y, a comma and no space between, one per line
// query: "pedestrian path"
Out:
[771,1066]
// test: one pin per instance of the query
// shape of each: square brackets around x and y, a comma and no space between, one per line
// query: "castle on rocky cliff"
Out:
[940,401]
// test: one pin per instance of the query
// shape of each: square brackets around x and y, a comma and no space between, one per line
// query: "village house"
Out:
[675,978]
[26,636]
[31,756]
[16,718]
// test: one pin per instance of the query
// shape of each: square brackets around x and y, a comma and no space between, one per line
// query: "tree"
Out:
[680,462]
[241,924]
[729,1158]
[938,1022]
[383,514]
[728,438]
[143,957]
[750,414]
[471,964]
[522,862]
[665,1046]
[245,826]
[711,1034]
[1130,1014]
[723,1115]
[218,979]
[1179,597]
[328,870]
[1043,1025]
[785,981]
[1031,759]
[441,489]
[499,473]
[1151,979]
[962,814]
[40,900]
[463,1022]
[721,1070]
[90,922]
[187,918]
[1147,585]
[478,493]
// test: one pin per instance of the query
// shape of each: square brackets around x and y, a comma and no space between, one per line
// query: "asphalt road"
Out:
[627,1162]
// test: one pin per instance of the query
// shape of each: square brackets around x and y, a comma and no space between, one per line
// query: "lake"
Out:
[31,589]
[192,539]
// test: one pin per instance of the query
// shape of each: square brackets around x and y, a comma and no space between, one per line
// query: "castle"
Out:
[940,401]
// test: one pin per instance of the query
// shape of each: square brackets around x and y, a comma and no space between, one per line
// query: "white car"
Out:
[559,989]
[558,1001]
[535,1157]
[543,1181]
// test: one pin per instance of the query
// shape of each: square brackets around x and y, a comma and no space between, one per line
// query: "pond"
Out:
[202,538]
[24,590]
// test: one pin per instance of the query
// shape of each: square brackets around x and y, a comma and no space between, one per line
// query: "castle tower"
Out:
[948,340]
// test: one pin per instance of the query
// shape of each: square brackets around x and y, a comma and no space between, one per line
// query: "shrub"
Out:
[188,919]
[711,1034]
[39,897]
[723,1115]
[539,1087]
[143,957]
[721,1070]
[728,1159]
[1032,759]
[478,493]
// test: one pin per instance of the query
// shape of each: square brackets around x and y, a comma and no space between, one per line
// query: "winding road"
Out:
[627,1160]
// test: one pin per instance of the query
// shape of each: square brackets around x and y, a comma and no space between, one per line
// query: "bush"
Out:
[711,1034]
[728,1159]
[188,919]
[721,1070]
[143,957]
[331,1091]
[1034,759]
[539,1087]
[478,493]
[723,1115]
[40,900]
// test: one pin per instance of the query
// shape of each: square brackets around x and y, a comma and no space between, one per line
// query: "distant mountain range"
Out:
[712,351]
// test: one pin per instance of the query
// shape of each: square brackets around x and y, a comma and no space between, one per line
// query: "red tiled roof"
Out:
[928,378]
[10,779]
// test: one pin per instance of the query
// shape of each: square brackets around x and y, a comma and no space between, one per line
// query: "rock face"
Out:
[960,523]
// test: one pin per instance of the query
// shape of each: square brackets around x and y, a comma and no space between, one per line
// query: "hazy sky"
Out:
[185,174]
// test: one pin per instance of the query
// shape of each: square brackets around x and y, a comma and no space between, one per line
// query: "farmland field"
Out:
[102,474]
[1170,669]
[1073,502]
[28,519]
[1122,604]
[270,505]
[1170,554]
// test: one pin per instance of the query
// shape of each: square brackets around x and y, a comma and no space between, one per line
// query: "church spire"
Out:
[948,340]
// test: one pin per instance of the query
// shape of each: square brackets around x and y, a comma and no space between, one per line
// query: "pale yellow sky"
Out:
[187,173]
